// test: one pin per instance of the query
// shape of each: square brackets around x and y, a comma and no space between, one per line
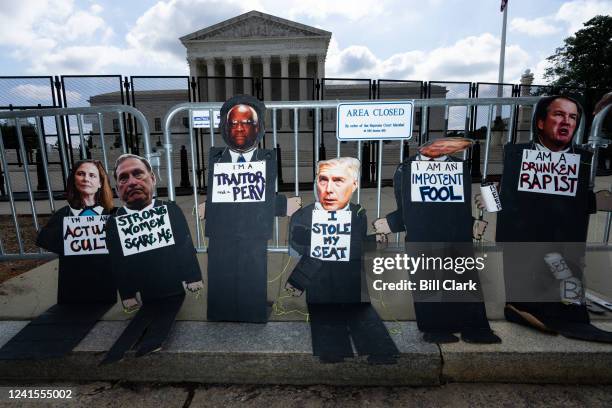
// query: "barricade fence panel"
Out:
[299,155]
[384,157]
[37,174]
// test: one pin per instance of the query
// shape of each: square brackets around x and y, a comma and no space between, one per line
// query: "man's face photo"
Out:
[558,127]
[444,146]
[335,186]
[243,127]
[135,183]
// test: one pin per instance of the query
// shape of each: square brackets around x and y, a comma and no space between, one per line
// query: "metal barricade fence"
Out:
[318,107]
[59,114]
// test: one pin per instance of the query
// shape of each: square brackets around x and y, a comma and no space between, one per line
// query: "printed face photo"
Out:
[444,146]
[557,129]
[135,184]
[87,179]
[335,186]
[243,127]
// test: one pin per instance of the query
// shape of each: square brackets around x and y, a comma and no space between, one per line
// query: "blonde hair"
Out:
[351,164]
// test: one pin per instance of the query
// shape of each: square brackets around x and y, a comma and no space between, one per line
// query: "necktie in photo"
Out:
[241,159]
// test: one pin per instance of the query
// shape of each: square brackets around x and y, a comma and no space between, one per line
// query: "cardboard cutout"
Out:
[433,210]
[546,216]
[86,288]
[240,209]
[331,236]
[151,253]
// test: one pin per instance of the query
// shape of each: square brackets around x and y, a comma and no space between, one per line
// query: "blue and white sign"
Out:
[201,118]
[374,120]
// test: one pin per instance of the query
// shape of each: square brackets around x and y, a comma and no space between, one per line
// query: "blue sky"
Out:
[398,39]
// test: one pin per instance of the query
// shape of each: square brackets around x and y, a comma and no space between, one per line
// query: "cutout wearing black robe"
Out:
[158,276]
[237,248]
[86,290]
[338,302]
[441,229]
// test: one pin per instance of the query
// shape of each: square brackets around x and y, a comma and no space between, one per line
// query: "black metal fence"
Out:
[153,95]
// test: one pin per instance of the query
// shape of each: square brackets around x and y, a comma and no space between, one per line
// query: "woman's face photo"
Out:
[87,179]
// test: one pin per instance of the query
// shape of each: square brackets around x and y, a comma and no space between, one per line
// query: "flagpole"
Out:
[502,56]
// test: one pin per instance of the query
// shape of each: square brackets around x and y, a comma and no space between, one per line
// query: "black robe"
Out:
[237,248]
[336,294]
[531,225]
[86,290]
[158,276]
[441,229]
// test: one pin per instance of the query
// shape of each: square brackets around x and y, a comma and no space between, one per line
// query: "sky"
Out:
[395,39]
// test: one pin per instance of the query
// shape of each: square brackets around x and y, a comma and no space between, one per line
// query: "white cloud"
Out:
[535,28]
[474,58]
[351,9]
[576,13]
[571,16]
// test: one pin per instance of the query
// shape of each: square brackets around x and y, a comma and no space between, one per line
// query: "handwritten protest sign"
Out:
[145,230]
[437,181]
[85,235]
[239,182]
[549,172]
[330,239]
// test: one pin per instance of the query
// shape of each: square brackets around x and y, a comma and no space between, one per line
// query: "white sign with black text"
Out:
[436,181]
[85,235]
[239,182]
[201,118]
[145,230]
[330,238]
[374,120]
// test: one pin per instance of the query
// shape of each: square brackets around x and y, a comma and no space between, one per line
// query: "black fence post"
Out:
[40,171]
[475,164]
[184,168]
[279,164]
[365,162]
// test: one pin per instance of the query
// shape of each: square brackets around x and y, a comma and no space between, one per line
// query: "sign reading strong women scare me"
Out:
[85,235]
[145,230]
[549,172]
[239,182]
[330,239]
[436,182]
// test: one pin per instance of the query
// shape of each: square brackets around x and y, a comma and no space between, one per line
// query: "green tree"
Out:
[585,59]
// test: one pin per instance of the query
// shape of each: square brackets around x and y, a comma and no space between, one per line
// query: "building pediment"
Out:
[255,24]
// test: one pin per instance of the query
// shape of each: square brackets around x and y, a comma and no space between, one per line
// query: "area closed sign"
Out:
[374,120]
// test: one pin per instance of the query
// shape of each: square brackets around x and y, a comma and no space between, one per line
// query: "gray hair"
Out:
[351,164]
[127,156]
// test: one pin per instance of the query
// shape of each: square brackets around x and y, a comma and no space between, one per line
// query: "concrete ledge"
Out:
[275,353]
[280,353]
[528,356]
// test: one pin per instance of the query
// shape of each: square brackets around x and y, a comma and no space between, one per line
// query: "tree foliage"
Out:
[585,59]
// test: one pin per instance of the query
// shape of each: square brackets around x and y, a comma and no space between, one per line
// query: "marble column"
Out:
[284,60]
[304,94]
[193,66]
[246,72]
[229,72]
[267,86]
[210,72]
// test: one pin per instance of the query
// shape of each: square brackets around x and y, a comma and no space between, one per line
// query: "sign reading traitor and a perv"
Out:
[145,230]
[85,235]
[330,239]
[437,181]
[549,172]
[239,182]
[374,121]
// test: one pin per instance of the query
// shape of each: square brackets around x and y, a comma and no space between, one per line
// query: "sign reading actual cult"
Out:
[374,120]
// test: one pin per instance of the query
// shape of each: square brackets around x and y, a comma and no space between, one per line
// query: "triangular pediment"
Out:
[255,24]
